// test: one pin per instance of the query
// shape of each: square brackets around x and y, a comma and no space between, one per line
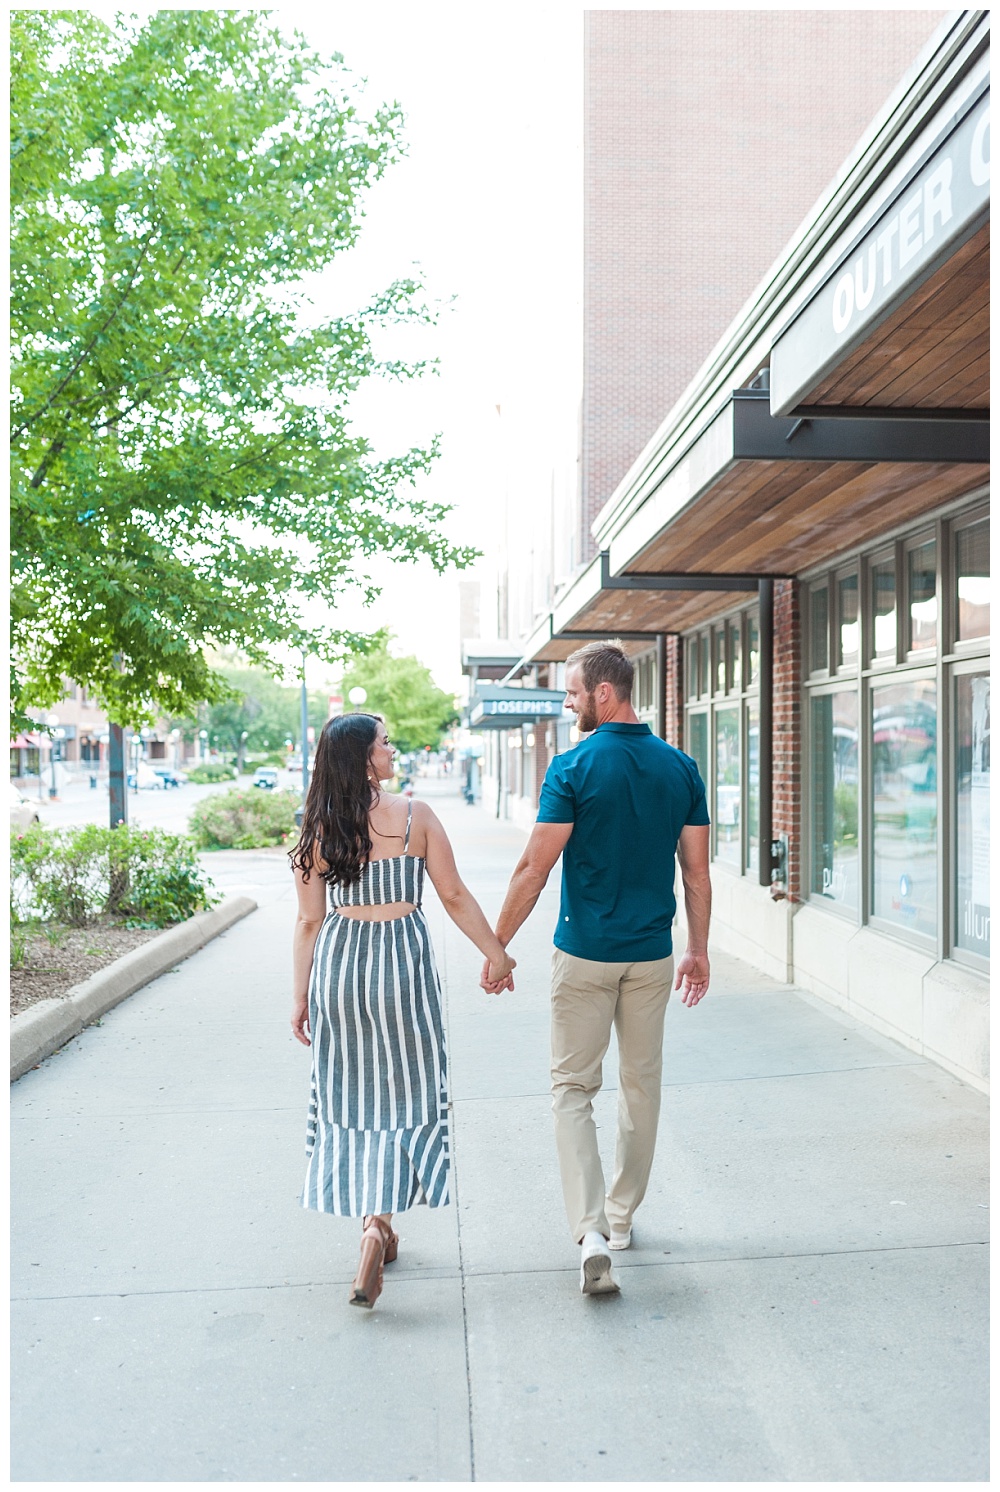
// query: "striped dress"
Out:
[377,1138]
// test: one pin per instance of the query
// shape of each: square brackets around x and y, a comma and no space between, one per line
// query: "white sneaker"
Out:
[595,1267]
[620,1240]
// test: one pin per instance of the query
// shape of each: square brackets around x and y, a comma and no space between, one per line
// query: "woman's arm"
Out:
[310,918]
[458,901]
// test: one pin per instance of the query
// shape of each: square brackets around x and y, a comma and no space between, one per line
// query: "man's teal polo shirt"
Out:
[628,795]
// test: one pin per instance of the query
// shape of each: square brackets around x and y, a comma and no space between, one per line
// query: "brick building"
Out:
[798,557]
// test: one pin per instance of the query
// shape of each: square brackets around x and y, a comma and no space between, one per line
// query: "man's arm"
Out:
[692,967]
[545,844]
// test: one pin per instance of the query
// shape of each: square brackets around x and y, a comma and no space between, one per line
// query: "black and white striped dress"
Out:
[377,1138]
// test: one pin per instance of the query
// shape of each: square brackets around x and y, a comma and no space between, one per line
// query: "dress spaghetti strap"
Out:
[409,815]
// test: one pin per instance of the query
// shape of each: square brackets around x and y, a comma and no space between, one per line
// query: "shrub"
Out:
[147,876]
[243,819]
[256,759]
[212,772]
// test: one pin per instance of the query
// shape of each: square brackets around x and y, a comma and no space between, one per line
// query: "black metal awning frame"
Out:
[813,433]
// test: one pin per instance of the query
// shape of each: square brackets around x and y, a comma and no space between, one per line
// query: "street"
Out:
[805,1300]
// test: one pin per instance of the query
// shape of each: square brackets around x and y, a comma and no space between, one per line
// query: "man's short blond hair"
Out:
[605,663]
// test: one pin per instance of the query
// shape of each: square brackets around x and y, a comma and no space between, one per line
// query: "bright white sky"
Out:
[487,205]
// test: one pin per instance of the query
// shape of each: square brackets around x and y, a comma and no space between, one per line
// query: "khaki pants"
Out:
[586,998]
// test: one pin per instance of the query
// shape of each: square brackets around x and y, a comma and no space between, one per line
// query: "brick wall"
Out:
[674,714]
[787,728]
[708,137]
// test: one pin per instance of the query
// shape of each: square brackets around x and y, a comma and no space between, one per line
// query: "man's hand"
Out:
[496,985]
[692,977]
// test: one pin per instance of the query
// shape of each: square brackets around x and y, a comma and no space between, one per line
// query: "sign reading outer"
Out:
[939,206]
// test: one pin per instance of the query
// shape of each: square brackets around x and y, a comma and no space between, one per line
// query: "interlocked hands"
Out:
[497,975]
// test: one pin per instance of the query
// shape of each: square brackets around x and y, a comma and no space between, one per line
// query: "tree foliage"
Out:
[417,712]
[184,471]
[259,704]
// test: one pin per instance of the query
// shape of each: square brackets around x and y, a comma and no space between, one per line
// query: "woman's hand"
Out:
[300,1019]
[496,975]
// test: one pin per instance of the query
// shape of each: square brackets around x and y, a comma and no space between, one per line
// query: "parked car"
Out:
[266,777]
[170,776]
[22,811]
[144,776]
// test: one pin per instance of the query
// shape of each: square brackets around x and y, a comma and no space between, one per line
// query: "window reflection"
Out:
[703,664]
[753,784]
[972,549]
[922,577]
[727,786]
[735,677]
[819,629]
[698,742]
[847,617]
[972,813]
[883,577]
[834,737]
[904,797]
[719,660]
[753,648]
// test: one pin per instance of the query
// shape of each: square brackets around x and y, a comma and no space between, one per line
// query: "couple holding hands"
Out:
[617,807]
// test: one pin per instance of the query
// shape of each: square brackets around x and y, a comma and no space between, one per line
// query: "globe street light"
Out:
[358,696]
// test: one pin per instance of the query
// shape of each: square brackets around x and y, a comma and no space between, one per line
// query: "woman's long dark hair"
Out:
[335,818]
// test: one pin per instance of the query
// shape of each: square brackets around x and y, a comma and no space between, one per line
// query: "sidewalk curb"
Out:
[40,1031]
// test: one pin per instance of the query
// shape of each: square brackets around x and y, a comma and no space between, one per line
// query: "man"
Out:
[617,807]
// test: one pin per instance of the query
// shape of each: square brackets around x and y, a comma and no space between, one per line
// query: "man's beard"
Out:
[586,718]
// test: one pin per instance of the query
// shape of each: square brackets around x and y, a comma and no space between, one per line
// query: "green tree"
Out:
[269,712]
[416,711]
[183,470]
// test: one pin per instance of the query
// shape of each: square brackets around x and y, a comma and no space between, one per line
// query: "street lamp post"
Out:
[358,697]
[203,738]
[52,721]
[305,731]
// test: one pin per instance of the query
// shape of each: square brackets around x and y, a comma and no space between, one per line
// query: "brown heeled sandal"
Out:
[376,1241]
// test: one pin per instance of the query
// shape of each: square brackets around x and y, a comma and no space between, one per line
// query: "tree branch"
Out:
[89,348]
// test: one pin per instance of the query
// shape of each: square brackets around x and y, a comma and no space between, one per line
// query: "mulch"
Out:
[56,957]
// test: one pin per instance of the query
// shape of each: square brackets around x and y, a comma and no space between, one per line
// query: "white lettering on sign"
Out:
[521,707]
[920,218]
[911,240]
[979,154]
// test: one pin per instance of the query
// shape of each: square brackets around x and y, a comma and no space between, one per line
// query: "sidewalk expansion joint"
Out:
[750,1077]
[415,1276]
[410,1277]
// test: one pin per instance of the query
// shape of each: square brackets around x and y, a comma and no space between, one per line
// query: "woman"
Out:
[367,997]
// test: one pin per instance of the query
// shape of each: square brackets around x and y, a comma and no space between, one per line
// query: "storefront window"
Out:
[972,552]
[692,667]
[698,742]
[753,784]
[703,662]
[904,800]
[834,738]
[753,649]
[819,629]
[734,678]
[972,813]
[718,660]
[921,585]
[727,786]
[883,581]
[847,621]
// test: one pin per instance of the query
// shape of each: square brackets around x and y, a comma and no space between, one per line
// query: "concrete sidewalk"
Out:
[805,1300]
